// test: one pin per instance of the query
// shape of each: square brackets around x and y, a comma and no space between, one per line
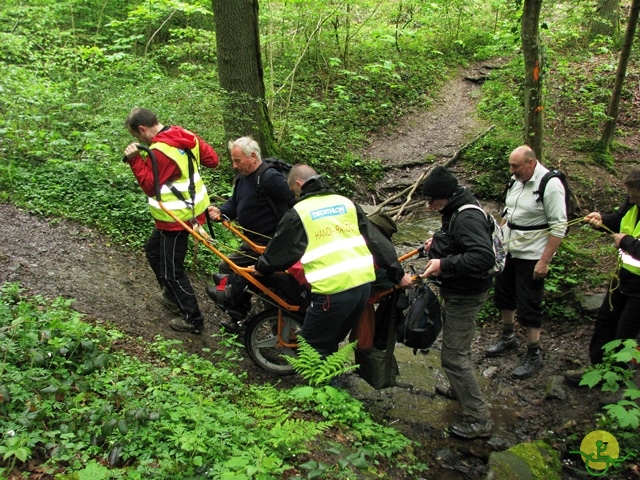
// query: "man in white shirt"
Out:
[533,229]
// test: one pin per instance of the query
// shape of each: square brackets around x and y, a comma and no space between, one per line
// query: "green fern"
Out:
[296,432]
[318,371]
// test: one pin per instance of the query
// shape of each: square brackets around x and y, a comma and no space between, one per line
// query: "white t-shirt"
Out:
[523,209]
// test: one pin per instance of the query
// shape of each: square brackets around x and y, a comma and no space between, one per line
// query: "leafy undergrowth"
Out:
[74,405]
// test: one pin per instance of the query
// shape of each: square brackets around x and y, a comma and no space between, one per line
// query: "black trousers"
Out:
[515,289]
[621,322]
[330,318]
[166,252]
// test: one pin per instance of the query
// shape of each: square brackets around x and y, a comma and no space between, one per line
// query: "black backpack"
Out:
[572,205]
[422,320]
[267,163]
[570,200]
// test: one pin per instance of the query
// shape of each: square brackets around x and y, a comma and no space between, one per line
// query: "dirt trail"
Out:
[111,285]
[429,136]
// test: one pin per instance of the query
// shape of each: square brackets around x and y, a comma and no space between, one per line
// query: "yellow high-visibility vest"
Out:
[337,257]
[630,226]
[188,208]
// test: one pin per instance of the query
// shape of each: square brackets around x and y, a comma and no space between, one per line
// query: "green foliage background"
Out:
[335,71]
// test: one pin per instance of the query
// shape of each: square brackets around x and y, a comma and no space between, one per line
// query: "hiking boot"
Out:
[532,362]
[216,295]
[573,377]
[470,429]
[230,325]
[165,300]
[446,392]
[181,325]
[504,343]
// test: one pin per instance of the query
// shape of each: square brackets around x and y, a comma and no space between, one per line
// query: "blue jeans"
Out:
[458,328]
[330,318]
[166,252]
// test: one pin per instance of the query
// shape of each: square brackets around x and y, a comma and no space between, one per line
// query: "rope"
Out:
[246,230]
[614,280]
[525,239]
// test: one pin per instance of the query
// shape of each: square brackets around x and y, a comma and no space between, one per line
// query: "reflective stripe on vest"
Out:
[182,210]
[630,226]
[337,257]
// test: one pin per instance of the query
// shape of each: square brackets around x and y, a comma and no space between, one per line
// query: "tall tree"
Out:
[621,72]
[240,72]
[532,52]
[605,20]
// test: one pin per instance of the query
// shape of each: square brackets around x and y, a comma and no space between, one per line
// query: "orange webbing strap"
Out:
[282,342]
[244,272]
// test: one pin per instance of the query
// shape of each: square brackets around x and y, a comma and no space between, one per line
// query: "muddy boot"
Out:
[470,428]
[445,391]
[165,299]
[181,325]
[532,362]
[505,343]
[573,377]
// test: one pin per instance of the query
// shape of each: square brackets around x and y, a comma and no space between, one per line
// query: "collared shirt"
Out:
[524,209]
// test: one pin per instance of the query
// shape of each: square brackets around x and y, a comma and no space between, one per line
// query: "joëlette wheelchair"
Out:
[270,332]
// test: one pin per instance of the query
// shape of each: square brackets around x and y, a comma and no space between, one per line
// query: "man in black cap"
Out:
[461,255]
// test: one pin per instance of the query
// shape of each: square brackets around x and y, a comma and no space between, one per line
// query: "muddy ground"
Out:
[53,257]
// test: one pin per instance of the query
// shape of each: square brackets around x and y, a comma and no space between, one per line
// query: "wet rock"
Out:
[490,372]
[480,449]
[448,457]
[525,461]
[459,462]
[555,389]
[498,443]
[590,303]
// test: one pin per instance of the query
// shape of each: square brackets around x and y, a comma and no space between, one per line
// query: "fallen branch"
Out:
[414,204]
[411,192]
[458,154]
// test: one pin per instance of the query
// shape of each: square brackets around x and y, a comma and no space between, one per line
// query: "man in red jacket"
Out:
[179,154]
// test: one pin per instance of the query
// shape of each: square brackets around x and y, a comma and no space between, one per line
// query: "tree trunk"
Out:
[240,73]
[533,75]
[605,21]
[621,72]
